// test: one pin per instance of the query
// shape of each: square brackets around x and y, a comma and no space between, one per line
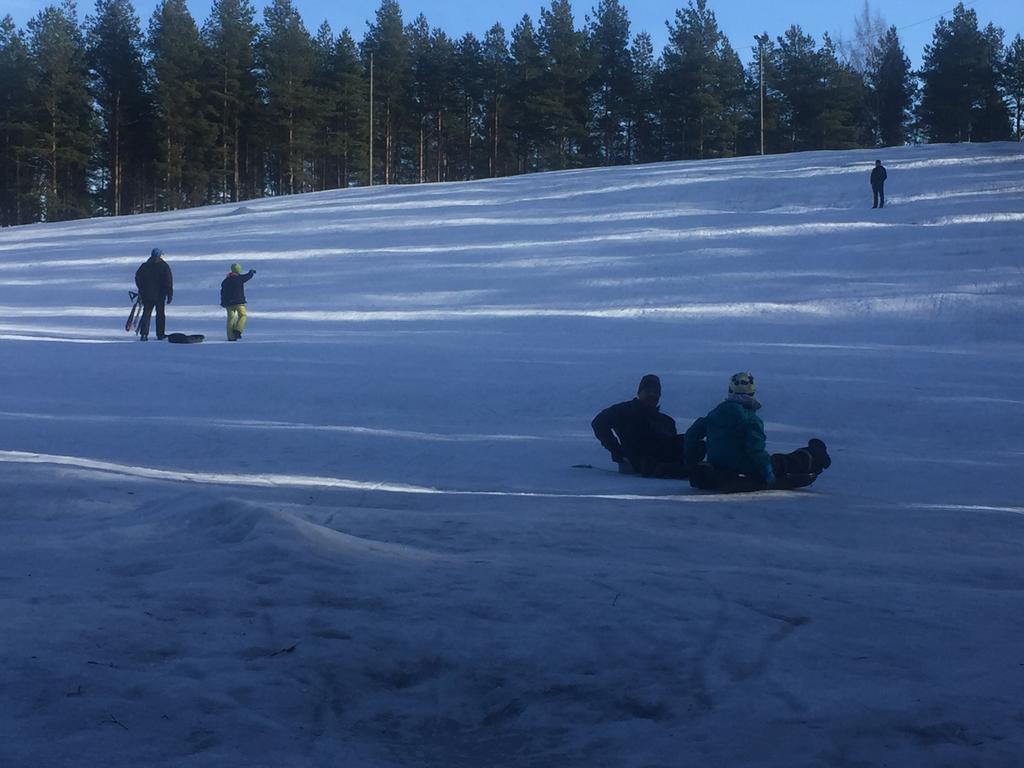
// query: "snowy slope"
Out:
[357,538]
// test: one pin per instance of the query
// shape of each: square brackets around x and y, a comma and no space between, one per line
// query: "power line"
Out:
[933,18]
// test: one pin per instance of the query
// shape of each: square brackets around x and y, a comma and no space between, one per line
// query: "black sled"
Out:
[705,477]
[185,338]
[798,469]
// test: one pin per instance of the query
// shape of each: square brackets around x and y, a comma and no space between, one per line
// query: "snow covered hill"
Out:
[357,538]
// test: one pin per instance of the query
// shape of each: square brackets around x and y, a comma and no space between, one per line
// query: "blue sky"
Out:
[739,19]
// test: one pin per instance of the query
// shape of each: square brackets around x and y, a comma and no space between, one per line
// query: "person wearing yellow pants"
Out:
[236,321]
[232,298]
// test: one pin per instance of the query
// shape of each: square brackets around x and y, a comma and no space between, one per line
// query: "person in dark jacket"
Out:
[732,437]
[640,438]
[878,177]
[232,298]
[156,287]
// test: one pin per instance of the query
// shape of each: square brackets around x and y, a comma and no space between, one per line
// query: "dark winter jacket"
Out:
[232,290]
[735,437]
[637,432]
[878,176]
[154,281]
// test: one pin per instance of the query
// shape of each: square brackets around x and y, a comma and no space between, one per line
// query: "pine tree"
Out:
[286,57]
[563,90]
[497,65]
[796,77]
[418,35]
[65,124]
[643,142]
[702,84]
[959,95]
[469,160]
[120,90]
[18,203]
[891,88]
[342,99]
[385,40]
[321,162]
[843,121]
[611,82]
[184,133]
[1013,82]
[230,36]
[350,107]
[526,109]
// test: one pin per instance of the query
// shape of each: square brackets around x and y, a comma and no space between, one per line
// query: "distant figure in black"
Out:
[640,438]
[156,287]
[878,176]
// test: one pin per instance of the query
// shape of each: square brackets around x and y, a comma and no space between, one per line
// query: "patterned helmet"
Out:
[742,384]
[236,268]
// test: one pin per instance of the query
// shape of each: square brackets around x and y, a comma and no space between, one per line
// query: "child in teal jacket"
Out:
[732,435]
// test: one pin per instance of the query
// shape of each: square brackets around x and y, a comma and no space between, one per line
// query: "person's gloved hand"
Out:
[617,457]
[169,298]
[252,271]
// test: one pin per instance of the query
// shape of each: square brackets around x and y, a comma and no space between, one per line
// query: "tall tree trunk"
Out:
[468,112]
[387,141]
[117,154]
[236,194]
[494,140]
[171,195]
[291,155]
[343,167]
[224,140]
[53,162]
[17,188]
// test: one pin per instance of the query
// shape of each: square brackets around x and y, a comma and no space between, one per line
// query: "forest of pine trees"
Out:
[103,117]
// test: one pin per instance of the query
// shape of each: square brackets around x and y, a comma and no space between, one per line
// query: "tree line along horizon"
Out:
[98,118]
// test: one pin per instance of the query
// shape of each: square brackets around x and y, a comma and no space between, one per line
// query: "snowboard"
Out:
[705,477]
[136,312]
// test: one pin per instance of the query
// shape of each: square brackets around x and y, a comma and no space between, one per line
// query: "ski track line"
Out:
[302,481]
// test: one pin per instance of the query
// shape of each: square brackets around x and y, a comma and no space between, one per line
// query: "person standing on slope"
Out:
[732,435]
[878,177]
[232,298]
[640,438]
[156,287]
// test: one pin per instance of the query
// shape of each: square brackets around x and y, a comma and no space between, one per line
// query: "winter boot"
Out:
[702,476]
[819,454]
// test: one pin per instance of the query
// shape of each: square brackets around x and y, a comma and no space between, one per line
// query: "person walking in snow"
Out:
[640,438]
[232,298]
[156,288]
[878,176]
[732,436]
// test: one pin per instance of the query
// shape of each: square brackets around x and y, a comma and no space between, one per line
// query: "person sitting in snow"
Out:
[156,287]
[232,298]
[732,437]
[640,438]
